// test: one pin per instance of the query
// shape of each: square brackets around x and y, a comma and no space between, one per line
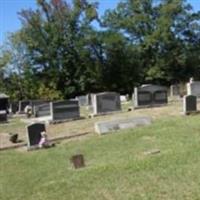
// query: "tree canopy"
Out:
[60,53]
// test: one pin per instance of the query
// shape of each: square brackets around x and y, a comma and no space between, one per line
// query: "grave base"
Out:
[190,113]
[65,120]
[115,125]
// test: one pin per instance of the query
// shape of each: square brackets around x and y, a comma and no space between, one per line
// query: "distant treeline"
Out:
[60,53]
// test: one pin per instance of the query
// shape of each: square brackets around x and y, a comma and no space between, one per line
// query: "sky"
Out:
[9,19]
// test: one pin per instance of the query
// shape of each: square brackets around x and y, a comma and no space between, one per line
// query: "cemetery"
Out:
[92,137]
[153,149]
[99,100]
[150,135]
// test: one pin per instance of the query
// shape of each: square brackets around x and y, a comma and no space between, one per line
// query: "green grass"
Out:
[116,166]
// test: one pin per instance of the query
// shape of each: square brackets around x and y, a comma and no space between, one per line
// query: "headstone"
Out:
[35,103]
[14,107]
[174,90]
[106,102]
[89,99]
[65,110]
[4,102]
[150,95]
[82,100]
[114,125]
[193,88]
[78,161]
[3,107]
[34,134]
[22,105]
[42,110]
[189,104]
[3,116]
[123,98]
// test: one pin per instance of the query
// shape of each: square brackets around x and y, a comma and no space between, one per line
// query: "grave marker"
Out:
[189,104]
[34,134]
[106,102]
[150,95]
[65,110]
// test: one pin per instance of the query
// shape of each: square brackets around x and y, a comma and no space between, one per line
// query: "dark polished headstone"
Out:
[34,133]
[189,104]
[64,110]
[106,102]
[14,106]
[42,110]
[150,95]
[3,116]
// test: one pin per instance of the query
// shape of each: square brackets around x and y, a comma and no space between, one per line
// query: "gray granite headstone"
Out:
[64,110]
[106,102]
[150,95]
[174,90]
[82,100]
[193,88]
[34,134]
[42,110]
[189,104]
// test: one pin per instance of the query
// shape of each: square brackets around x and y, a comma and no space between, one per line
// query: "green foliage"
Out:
[45,93]
[164,34]
[58,51]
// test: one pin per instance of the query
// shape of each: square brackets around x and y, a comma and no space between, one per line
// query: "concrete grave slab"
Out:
[114,125]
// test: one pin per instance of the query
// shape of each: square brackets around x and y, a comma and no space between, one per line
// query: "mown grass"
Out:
[117,167]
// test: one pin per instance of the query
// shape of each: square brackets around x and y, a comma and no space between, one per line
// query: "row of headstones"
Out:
[106,102]
[18,107]
[70,109]
[58,110]
[146,95]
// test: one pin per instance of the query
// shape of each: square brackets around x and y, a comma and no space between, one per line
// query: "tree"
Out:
[55,35]
[163,32]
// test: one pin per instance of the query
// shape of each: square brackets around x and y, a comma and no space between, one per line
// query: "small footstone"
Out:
[78,161]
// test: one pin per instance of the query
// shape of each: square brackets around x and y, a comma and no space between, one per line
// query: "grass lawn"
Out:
[117,167]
